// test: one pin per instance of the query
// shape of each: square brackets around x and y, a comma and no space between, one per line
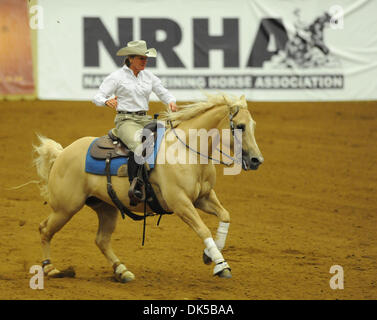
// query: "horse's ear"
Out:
[227,100]
[243,99]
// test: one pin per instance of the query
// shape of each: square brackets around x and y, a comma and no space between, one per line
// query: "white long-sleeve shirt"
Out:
[133,92]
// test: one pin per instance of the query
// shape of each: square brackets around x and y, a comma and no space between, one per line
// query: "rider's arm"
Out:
[162,93]
[105,91]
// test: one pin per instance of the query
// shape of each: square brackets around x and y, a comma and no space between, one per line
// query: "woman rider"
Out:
[127,90]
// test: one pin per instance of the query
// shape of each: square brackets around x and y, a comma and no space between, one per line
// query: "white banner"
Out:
[269,50]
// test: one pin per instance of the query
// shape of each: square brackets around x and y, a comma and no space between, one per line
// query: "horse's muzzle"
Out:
[250,163]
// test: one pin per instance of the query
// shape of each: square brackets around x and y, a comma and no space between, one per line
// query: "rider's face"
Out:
[138,63]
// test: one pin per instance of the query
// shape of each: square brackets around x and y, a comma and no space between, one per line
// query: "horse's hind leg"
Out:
[55,221]
[107,218]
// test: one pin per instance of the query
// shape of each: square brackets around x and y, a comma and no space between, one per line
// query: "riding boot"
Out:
[136,193]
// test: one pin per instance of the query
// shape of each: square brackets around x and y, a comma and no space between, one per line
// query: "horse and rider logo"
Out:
[306,48]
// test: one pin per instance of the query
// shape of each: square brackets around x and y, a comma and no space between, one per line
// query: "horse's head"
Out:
[240,118]
[319,24]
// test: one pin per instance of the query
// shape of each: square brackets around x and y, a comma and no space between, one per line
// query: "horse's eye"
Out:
[241,126]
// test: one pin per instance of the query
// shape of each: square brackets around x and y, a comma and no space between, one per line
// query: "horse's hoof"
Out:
[55,274]
[127,277]
[222,270]
[207,260]
[225,274]
[123,275]
[68,273]
[51,272]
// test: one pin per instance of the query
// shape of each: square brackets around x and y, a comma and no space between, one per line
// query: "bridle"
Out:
[231,117]
[232,128]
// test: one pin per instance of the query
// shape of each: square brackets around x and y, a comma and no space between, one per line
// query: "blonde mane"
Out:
[189,111]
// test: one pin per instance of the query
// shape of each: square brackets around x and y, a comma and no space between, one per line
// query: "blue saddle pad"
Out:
[96,166]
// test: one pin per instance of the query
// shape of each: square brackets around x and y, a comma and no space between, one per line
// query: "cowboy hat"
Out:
[138,48]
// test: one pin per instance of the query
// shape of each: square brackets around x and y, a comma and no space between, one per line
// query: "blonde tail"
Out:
[46,154]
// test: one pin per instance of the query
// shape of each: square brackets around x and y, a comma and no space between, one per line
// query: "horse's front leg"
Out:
[211,204]
[184,208]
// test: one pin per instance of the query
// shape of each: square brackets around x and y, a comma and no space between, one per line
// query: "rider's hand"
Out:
[112,103]
[173,106]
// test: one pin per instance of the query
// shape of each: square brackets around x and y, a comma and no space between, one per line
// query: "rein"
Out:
[231,116]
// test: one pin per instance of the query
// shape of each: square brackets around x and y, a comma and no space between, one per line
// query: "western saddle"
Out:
[111,145]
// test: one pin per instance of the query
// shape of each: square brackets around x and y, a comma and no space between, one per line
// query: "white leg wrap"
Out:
[212,251]
[220,267]
[122,274]
[222,232]
[120,269]
[50,270]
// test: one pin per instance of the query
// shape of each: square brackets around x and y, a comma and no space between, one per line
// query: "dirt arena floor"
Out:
[310,206]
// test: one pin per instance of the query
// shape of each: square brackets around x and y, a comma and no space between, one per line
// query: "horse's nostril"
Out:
[255,160]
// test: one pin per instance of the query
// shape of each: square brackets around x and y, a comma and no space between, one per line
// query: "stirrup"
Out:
[136,193]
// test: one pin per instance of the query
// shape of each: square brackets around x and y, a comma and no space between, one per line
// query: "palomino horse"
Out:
[180,188]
